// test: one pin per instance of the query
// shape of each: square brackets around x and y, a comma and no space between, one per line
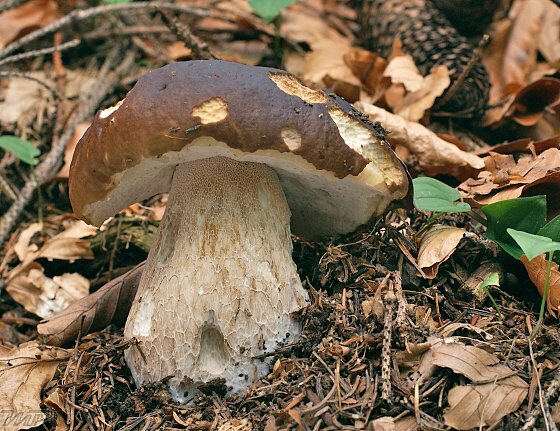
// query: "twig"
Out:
[7,189]
[552,392]
[82,14]
[48,166]
[386,357]
[37,52]
[459,81]
[126,31]
[6,74]
[199,48]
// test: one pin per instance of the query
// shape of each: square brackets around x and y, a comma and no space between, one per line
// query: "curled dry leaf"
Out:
[508,176]
[66,245]
[530,102]
[23,245]
[25,370]
[434,154]
[496,392]
[402,70]
[416,104]
[44,296]
[527,104]
[436,246]
[420,92]
[368,67]
[110,304]
[537,269]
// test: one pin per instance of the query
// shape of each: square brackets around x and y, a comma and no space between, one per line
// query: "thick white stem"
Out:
[219,283]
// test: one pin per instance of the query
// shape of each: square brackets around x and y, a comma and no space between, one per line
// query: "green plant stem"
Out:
[476,217]
[39,195]
[544,297]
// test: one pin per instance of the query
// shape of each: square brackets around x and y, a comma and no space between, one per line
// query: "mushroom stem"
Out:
[219,284]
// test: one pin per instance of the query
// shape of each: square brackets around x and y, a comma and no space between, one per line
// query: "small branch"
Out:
[49,165]
[199,48]
[36,53]
[83,14]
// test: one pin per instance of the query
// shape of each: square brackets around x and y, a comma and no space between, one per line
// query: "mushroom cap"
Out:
[335,167]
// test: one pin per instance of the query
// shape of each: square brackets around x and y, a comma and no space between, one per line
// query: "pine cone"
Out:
[480,14]
[431,40]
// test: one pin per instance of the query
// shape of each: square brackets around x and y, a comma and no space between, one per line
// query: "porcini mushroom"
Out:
[244,152]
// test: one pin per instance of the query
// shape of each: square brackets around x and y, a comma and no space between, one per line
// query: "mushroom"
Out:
[244,153]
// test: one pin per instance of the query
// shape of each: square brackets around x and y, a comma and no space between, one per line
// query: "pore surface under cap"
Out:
[335,170]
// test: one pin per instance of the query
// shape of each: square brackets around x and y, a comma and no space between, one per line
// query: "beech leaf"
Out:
[110,304]
[25,370]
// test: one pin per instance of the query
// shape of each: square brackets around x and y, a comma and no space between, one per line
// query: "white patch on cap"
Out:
[291,85]
[291,137]
[106,112]
[211,111]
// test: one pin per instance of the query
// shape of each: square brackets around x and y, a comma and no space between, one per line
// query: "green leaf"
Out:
[524,214]
[551,229]
[269,9]
[433,195]
[25,151]
[491,280]
[533,245]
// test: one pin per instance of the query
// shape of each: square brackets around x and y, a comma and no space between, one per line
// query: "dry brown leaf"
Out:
[492,58]
[402,70]
[324,67]
[530,102]
[22,247]
[66,245]
[368,67]
[23,19]
[436,246]
[524,145]
[480,405]
[537,269]
[25,370]
[521,50]
[24,98]
[415,104]
[547,41]
[496,390]
[406,423]
[44,296]
[434,154]
[508,176]
[385,423]
[110,304]
[306,25]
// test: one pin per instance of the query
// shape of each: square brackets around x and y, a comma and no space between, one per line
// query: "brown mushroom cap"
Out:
[336,170]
